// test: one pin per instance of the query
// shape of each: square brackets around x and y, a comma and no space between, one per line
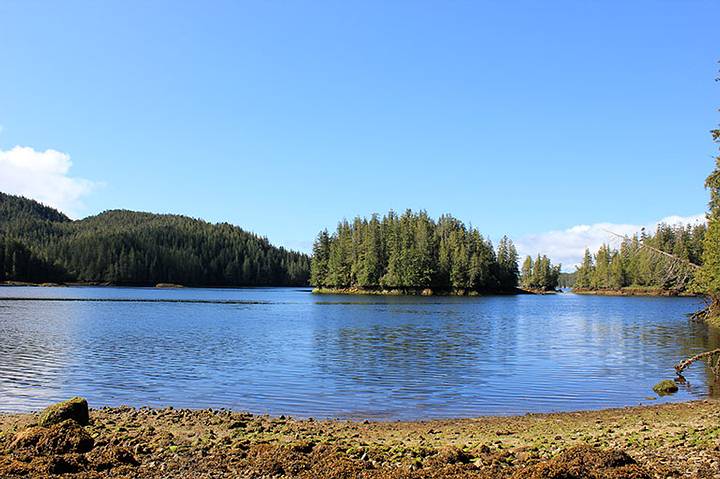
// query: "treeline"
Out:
[412,252]
[539,274]
[567,280]
[40,244]
[18,263]
[633,265]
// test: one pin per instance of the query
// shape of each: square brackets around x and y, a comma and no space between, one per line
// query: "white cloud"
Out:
[43,176]
[568,246]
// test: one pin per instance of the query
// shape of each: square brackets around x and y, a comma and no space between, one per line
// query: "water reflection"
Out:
[284,351]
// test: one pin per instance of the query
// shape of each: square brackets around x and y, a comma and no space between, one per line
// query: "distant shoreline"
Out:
[423,292]
[368,291]
[70,284]
[635,292]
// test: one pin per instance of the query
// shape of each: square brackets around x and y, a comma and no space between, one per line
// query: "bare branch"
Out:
[659,251]
[708,355]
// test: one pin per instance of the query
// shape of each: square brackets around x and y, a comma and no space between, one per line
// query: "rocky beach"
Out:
[67,440]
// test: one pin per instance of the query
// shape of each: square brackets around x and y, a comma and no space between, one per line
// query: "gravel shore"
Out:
[671,440]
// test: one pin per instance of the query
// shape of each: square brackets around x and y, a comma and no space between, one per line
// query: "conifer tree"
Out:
[370,263]
[507,258]
[526,275]
[617,272]
[319,267]
[393,269]
[601,274]
[708,280]
[585,271]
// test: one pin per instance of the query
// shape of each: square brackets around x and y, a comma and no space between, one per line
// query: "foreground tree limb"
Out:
[712,358]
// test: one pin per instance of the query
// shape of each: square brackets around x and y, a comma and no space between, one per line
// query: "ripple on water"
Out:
[285,351]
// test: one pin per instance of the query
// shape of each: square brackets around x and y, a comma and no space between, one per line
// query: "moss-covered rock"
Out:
[65,437]
[665,386]
[75,409]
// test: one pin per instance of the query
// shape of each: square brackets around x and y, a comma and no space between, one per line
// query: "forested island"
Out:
[411,253]
[660,263]
[40,244]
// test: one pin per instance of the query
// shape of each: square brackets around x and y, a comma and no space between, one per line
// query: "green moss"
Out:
[665,386]
[75,409]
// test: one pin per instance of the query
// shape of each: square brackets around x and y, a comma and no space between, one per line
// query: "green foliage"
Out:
[507,259]
[24,210]
[540,274]
[708,280]
[526,273]
[600,278]
[584,274]
[321,256]
[18,263]
[411,251]
[40,244]
[635,266]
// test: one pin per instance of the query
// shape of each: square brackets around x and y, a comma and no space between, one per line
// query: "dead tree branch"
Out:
[659,251]
[712,358]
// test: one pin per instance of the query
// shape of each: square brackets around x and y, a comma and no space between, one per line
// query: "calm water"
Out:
[285,351]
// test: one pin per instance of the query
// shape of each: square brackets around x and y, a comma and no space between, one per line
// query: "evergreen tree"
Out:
[526,275]
[617,272]
[601,274]
[507,258]
[708,280]
[339,260]
[393,271]
[460,261]
[319,267]
[540,271]
[371,262]
[585,272]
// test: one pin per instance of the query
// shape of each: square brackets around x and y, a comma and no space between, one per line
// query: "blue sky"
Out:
[283,117]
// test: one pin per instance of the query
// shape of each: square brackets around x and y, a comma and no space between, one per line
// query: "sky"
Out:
[546,121]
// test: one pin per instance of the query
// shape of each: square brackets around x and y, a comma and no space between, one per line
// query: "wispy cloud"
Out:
[568,246]
[43,176]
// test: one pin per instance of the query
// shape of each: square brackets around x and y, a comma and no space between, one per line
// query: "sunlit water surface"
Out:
[286,351]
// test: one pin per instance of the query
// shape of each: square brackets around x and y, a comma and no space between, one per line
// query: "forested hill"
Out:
[40,244]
